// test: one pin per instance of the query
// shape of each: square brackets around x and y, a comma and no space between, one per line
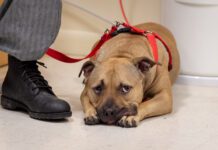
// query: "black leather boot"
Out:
[25,88]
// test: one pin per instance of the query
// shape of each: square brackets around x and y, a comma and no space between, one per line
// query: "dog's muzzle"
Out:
[110,113]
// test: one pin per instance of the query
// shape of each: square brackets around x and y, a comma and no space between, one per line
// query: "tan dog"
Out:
[124,85]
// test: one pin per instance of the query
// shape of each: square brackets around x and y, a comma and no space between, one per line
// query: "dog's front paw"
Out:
[91,118]
[128,121]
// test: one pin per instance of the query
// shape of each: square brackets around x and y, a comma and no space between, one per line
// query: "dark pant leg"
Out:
[29,27]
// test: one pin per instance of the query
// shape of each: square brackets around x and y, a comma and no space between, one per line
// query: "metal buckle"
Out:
[106,31]
[147,32]
[117,23]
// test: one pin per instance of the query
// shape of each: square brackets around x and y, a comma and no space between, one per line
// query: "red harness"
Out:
[117,29]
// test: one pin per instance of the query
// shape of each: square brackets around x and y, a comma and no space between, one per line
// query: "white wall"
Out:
[79,30]
[194,24]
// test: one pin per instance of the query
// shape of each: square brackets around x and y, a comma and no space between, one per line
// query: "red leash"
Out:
[151,36]
[64,58]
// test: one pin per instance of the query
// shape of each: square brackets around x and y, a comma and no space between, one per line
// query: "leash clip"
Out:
[117,23]
[147,32]
[106,31]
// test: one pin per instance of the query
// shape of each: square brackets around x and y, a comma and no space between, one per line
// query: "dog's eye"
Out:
[125,89]
[98,89]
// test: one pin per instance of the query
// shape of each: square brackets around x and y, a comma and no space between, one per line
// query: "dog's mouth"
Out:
[117,115]
[110,121]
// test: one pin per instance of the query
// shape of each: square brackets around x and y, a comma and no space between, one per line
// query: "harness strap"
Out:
[152,40]
[170,64]
[152,36]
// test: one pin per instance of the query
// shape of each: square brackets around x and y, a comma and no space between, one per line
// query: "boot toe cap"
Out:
[59,106]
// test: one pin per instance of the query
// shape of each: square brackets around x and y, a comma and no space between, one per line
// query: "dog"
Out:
[123,83]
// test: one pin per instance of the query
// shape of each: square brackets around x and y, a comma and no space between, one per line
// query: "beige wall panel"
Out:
[79,30]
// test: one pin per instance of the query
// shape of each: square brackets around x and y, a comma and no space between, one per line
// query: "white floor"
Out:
[192,126]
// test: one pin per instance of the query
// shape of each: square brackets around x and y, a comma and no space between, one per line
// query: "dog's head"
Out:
[115,87]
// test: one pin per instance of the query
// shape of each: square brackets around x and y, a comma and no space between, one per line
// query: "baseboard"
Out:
[198,80]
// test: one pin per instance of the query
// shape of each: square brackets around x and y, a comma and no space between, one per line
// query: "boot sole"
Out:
[10,104]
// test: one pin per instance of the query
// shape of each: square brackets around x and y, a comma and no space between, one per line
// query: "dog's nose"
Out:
[109,115]
[109,112]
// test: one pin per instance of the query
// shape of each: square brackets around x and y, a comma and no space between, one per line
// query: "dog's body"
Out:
[124,85]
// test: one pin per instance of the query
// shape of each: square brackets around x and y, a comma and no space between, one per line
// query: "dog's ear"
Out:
[87,68]
[144,64]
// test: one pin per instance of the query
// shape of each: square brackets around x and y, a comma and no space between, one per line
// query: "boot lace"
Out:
[32,74]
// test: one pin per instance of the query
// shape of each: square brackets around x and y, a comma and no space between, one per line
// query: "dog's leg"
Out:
[160,104]
[91,117]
